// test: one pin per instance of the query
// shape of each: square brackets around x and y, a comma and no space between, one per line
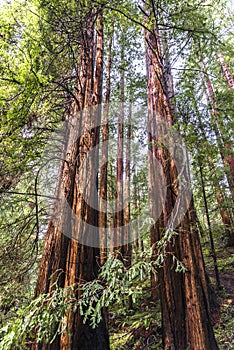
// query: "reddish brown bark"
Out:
[138,242]
[220,200]
[184,296]
[119,216]
[104,161]
[127,249]
[229,231]
[128,246]
[64,259]
[213,251]
[226,71]
[225,148]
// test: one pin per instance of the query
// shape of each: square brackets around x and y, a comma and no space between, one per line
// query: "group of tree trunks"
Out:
[184,297]
[66,262]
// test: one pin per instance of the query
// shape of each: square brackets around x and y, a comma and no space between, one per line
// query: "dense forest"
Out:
[116,174]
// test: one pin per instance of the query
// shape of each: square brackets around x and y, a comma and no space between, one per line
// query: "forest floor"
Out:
[140,328]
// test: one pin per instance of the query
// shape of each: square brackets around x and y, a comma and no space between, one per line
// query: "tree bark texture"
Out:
[66,261]
[213,251]
[119,211]
[225,148]
[226,71]
[226,218]
[127,208]
[104,161]
[184,296]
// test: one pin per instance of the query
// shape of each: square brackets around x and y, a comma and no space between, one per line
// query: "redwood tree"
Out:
[218,126]
[119,212]
[104,159]
[226,71]
[184,296]
[65,260]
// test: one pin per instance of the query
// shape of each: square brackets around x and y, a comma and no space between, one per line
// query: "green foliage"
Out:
[115,285]
[43,317]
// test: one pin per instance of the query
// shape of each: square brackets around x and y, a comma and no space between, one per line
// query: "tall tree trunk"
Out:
[104,161]
[119,216]
[226,219]
[213,252]
[128,246]
[138,242]
[184,296]
[151,174]
[224,146]
[226,71]
[168,78]
[65,259]
[228,225]
[127,209]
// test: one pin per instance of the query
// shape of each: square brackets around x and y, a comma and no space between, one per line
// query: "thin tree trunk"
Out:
[213,252]
[218,126]
[229,230]
[135,201]
[128,246]
[168,78]
[226,71]
[119,216]
[104,162]
[138,242]
[127,208]
[219,197]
